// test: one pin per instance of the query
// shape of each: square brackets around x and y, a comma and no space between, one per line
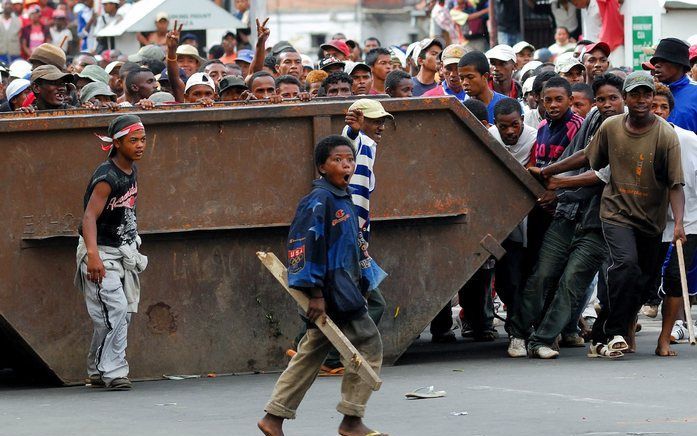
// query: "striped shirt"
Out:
[553,137]
[363,180]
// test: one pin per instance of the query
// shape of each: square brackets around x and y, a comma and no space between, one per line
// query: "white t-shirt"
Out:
[565,17]
[688,157]
[532,118]
[592,23]
[521,149]
[58,35]
[557,49]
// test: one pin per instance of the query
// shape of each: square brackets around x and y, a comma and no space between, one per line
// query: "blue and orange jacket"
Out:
[325,250]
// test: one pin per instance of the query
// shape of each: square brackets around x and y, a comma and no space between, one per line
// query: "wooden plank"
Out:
[352,356]
[685,293]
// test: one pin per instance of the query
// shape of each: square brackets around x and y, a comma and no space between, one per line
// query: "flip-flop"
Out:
[601,350]
[423,393]
[617,344]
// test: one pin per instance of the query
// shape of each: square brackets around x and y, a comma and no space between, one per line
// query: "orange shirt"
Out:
[228,59]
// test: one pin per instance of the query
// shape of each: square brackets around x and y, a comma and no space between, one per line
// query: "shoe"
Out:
[678,332]
[650,310]
[486,336]
[516,348]
[445,338]
[95,381]
[544,352]
[120,384]
[572,340]
[466,331]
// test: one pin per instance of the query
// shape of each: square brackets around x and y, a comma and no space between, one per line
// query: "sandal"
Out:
[602,350]
[425,392]
[618,344]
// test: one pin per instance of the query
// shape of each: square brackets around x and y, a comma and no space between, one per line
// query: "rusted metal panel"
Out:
[216,186]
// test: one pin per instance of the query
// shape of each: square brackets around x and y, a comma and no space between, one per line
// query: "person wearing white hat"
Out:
[426,58]
[20,69]
[16,92]
[570,68]
[523,52]
[108,16]
[159,36]
[200,88]
[526,72]
[502,59]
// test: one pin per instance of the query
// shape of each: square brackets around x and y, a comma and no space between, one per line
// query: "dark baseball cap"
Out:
[228,82]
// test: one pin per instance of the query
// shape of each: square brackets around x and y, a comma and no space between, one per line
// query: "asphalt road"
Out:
[573,395]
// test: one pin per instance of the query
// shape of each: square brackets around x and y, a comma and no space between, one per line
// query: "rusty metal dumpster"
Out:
[218,185]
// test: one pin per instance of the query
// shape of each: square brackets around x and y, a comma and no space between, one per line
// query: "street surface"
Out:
[573,395]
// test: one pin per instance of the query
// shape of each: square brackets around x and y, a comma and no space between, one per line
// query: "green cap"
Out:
[151,51]
[637,79]
[93,89]
[95,73]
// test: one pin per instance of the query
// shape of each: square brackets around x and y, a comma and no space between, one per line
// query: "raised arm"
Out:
[263,33]
[172,66]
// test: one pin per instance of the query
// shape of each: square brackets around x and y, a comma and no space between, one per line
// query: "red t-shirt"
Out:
[612,30]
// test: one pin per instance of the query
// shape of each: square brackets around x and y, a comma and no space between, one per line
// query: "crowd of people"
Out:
[615,149]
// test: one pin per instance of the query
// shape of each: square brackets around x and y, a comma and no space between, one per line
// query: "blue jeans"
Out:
[569,259]
[508,38]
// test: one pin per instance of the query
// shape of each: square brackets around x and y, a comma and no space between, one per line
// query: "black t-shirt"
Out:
[116,225]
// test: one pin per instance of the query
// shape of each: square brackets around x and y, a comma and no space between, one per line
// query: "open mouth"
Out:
[347,177]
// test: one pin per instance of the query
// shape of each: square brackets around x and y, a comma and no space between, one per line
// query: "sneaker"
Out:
[486,336]
[516,348]
[678,332]
[572,340]
[95,381]
[445,338]
[650,310]
[120,384]
[544,352]
[466,331]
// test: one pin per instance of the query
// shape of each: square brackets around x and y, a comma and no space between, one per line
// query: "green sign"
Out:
[642,36]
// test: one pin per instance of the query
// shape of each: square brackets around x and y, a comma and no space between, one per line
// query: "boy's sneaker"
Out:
[516,348]
[445,338]
[650,310]
[679,331]
[544,352]
[572,340]
[120,384]
[95,381]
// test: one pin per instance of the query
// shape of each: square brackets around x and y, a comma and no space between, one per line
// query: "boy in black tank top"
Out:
[107,256]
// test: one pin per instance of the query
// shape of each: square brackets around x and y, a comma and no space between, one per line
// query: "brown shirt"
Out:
[643,169]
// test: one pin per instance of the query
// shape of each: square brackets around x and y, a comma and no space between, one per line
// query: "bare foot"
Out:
[353,426]
[663,350]
[271,425]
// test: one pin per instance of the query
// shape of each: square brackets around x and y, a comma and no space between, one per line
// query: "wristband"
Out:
[171,59]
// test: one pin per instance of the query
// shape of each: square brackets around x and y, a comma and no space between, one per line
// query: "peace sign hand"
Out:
[263,32]
[173,36]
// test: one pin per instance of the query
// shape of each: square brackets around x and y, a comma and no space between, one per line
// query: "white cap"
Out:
[161,16]
[113,2]
[529,67]
[518,47]
[410,50]
[565,62]
[399,54]
[527,85]
[501,52]
[20,68]
[423,44]
[17,2]
[199,79]
[16,87]
[109,68]
[307,61]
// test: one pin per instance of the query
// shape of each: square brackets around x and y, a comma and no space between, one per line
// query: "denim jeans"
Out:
[569,259]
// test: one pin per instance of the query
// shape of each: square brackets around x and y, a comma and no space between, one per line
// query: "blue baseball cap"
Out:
[245,56]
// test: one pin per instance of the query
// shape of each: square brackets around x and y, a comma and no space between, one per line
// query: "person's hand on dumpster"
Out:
[247,96]
[354,119]
[95,268]
[316,308]
[26,110]
[305,96]
[536,172]
[206,102]
[275,99]
[146,104]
